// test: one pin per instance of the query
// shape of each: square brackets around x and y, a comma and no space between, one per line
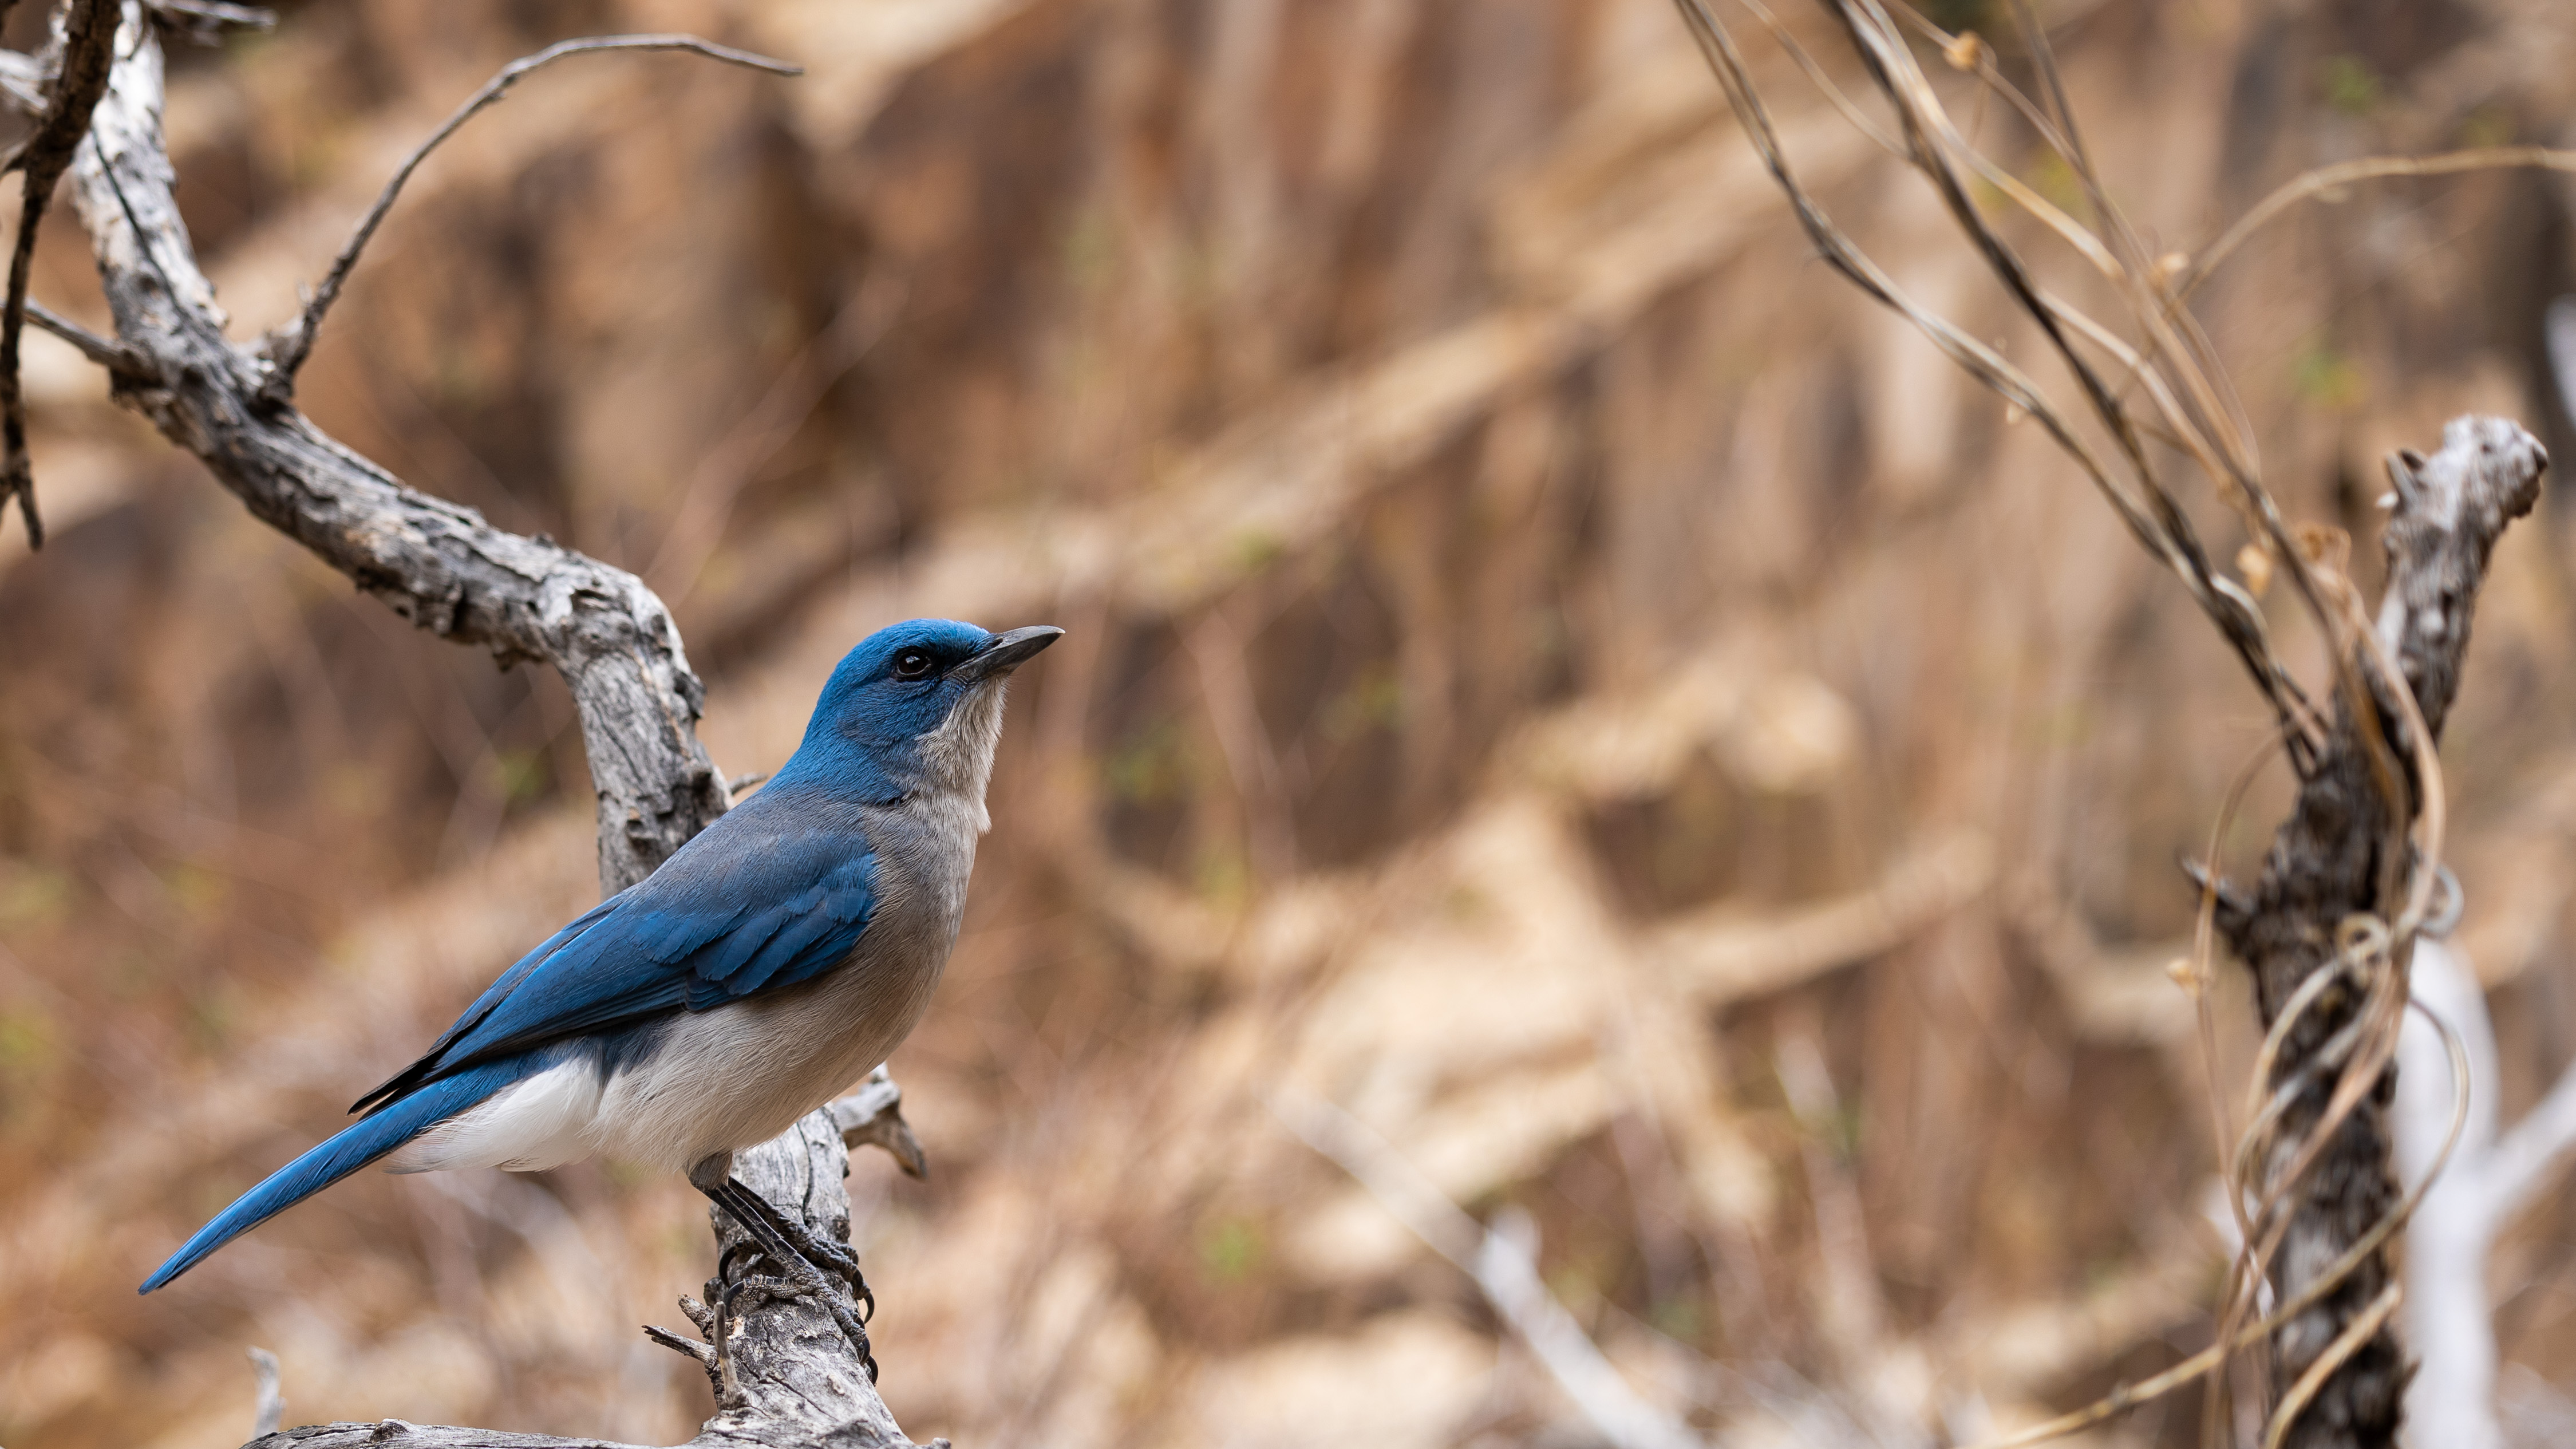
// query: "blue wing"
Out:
[764,898]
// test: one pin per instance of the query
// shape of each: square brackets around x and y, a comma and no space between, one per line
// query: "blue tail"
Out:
[370,1138]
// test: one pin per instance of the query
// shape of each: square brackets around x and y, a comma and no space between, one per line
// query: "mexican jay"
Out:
[771,962]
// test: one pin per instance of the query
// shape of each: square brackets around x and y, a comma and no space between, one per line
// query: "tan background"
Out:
[1551,670]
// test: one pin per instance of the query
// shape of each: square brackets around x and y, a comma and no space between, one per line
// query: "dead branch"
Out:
[782,1370]
[84,38]
[2331,863]
[204,21]
[2350,880]
[785,1376]
[439,565]
[2449,1242]
[288,348]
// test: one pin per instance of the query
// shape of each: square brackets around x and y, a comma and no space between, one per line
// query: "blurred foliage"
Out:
[1545,658]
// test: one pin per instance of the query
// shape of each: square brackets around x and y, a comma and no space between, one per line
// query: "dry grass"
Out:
[1552,674]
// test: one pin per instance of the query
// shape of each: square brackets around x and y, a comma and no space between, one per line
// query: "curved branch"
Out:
[433,562]
[84,42]
[292,344]
[782,1371]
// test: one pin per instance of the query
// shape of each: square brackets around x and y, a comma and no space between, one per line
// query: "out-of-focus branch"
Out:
[83,46]
[2490,1178]
[107,352]
[268,1408]
[1501,1268]
[293,343]
[205,21]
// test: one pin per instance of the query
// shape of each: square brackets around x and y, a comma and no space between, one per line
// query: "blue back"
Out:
[770,896]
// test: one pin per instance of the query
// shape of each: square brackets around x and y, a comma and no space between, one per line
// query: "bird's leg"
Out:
[821,1252]
[764,1223]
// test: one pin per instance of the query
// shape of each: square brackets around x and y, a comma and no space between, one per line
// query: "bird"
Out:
[772,960]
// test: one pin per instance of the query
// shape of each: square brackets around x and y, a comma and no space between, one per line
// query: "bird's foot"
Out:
[792,1250]
[803,1288]
[832,1258]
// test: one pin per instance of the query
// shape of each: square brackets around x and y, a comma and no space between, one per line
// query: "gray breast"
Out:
[725,1079]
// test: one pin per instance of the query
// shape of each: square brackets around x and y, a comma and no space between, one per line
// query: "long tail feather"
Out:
[361,1143]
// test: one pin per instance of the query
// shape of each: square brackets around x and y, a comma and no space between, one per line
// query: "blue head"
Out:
[916,706]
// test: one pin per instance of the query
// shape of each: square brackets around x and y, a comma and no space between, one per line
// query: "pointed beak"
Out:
[1006,653]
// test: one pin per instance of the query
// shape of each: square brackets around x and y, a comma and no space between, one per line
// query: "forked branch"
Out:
[783,1372]
[2331,926]
[439,565]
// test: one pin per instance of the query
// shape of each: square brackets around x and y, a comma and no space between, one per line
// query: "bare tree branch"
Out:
[785,1378]
[439,565]
[84,44]
[204,20]
[107,352]
[269,1408]
[289,347]
[2331,863]
[782,1370]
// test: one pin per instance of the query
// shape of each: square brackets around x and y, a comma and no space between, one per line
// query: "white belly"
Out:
[716,1081]
[739,1074]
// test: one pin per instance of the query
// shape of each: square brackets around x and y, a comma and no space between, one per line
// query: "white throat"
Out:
[957,757]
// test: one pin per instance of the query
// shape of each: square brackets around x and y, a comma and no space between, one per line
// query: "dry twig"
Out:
[784,1374]
[434,563]
[2330,928]
[84,44]
[288,348]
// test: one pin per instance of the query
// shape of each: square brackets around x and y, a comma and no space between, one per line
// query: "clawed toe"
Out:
[808,1266]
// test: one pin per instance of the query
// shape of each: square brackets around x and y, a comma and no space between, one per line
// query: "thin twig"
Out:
[291,345]
[2325,179]
[205,20]
[1501,1268]
[107,352]
[2155,518]
[268,1409]
[86,44]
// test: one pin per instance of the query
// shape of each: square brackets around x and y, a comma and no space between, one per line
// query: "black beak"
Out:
[1006,653]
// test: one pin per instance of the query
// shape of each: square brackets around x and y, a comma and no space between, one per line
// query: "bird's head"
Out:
[917,705]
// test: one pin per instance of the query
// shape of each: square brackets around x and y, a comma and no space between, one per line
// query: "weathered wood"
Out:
[81,53]
[2330,861]
[433,562]
[783,1372]
[787,1376]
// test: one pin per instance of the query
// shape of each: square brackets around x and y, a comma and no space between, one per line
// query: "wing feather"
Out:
[722,920]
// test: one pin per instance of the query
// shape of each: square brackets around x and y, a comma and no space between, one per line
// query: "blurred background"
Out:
[1552,670]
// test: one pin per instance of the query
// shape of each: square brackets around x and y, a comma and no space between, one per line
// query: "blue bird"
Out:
[772,961]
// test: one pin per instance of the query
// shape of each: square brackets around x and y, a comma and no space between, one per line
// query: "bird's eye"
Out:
[911,664]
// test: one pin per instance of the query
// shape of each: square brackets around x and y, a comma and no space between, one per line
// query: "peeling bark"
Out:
[782,1370]
[2330,861]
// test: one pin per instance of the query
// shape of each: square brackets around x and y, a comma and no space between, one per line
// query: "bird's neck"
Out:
[950,764]
[956,759]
